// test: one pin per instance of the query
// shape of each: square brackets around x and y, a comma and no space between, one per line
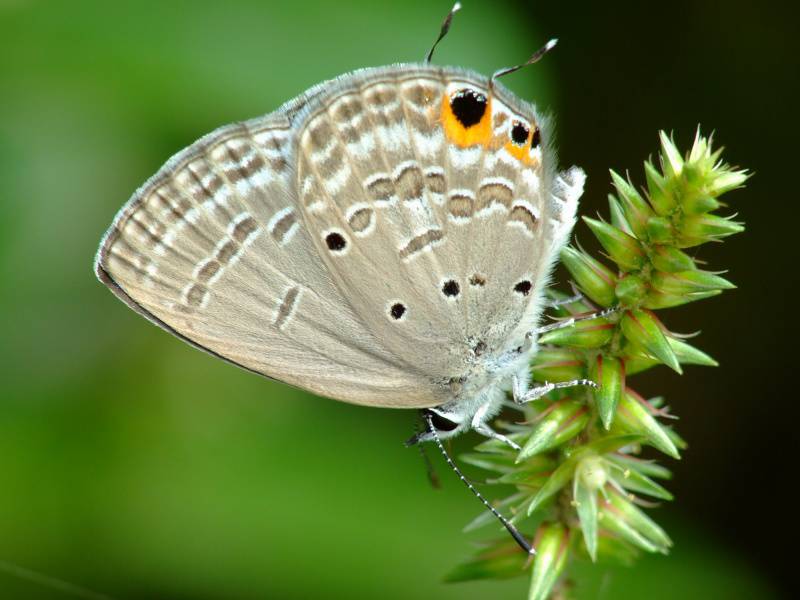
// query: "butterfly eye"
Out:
[519,133]
[441,423]
[468,106]
[536,138]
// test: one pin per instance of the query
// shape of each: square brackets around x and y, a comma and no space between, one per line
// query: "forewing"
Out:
[407,212]
[213,249]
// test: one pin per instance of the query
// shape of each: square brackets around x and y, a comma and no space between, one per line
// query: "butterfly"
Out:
[383,239]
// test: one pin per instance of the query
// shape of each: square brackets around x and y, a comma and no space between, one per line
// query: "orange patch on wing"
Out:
[479,133]
[522,153]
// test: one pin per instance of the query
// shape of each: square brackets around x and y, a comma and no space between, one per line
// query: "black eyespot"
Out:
[477,280]
[451,288]
[479,348]
[468,106]
[440,423]
[335,241]
[523,287]
[536,138]
[397,311]
[519,133]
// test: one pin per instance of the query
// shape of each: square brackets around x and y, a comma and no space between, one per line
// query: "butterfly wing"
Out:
[214,250]
[443,237]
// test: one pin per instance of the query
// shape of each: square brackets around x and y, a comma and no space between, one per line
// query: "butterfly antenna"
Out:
[518,537]
[443,31]
[433,477]
[533,59]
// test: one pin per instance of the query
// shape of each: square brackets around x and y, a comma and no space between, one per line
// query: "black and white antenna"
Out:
[518,537]
[536,57]
[443,31]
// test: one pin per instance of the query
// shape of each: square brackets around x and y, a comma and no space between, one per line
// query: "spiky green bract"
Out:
[579,480]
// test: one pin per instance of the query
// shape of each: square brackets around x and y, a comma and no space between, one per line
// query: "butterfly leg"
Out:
[571,300]
[479,424]
[523,396]
[572,320]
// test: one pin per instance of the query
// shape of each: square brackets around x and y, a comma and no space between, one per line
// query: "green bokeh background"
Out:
[135,466]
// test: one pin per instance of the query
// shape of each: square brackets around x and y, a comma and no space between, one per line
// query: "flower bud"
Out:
[552,546]
[635,208]
[558,364]
[660,230]
[625,250]
[698,229]
[670,259]
[593,278]
[618,218]
[724,180]
[634,416]
[631,289]
[643,329]
[592,473]
[655,299]
[640,522]
[699,203]
[688,282]
[609,373]
[583,334]
[561,422]
[671,159]
[689,355]
[661,200]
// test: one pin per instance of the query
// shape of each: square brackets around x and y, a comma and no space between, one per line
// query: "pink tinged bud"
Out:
[643,329]
[631,290]
[637,362]
[618,218]
[561,422]
[640,521]
[635,208]
[688,282]
[699,203]
[655,300]
[660,199]
[552,546]
[635,416]
[593,278]
[625,250]
[660,230]
[698,229]
[689,355]
[585,501]
[670,259]
[584,334]
[558,364]
[558,479]
[609,373]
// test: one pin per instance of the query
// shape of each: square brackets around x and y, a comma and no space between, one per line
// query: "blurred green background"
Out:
[135,466]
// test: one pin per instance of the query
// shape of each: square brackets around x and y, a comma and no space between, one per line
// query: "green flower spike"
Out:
[578,478]
[552,546]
